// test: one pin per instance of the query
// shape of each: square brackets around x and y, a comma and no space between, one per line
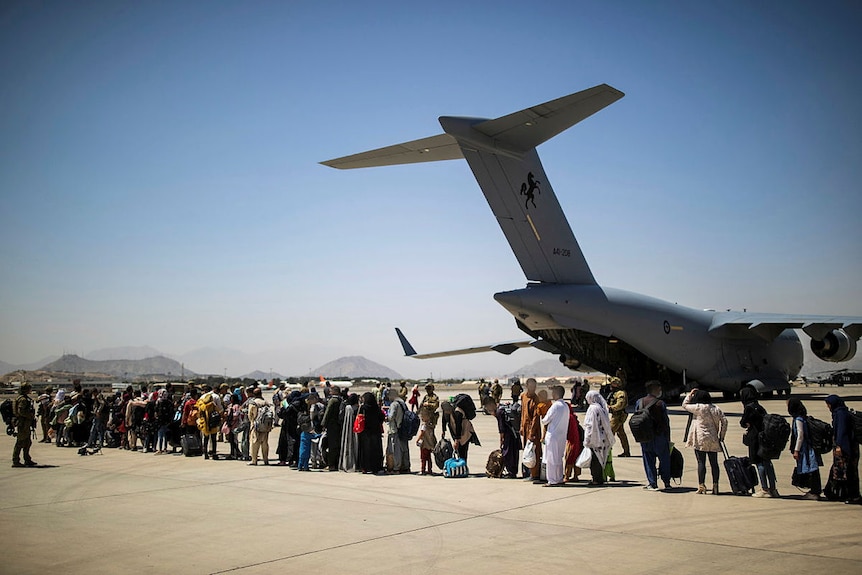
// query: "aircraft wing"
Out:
[505,348]
[769,325]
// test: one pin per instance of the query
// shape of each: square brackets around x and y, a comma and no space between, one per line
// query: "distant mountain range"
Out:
[353,367]
[263,375]
[544,368]
[10,367]
[120,368]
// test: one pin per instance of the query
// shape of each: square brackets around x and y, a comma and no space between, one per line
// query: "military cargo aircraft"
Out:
[565,311]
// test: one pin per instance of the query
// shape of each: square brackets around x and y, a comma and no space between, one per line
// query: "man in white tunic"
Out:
[556,423]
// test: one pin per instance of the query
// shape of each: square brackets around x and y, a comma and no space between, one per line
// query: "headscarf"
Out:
[834,402]
[163,393]
[61,395]
[795,408]
[353,399]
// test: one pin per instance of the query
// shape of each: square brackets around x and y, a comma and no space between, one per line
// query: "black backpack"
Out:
[857,425]
[819,435]
[465,402]
[513,416]
[773,438]
[642,424]
[304,422]
[409,426]
[7,411]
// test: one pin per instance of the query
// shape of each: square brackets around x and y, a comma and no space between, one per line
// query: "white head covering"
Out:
[61,395]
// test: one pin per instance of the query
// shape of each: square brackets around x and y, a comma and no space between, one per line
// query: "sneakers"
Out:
[650,487]
[811,496]
[762,493]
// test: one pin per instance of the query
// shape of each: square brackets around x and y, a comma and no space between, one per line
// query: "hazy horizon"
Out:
[161,186]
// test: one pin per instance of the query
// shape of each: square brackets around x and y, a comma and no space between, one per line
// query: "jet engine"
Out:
[570,362]
[835,346]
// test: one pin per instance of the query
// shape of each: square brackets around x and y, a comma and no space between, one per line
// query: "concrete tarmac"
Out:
[130,512]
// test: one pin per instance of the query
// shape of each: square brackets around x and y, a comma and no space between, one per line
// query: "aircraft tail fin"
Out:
[502,155]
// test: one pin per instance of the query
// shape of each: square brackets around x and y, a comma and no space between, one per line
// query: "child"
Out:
[425,440]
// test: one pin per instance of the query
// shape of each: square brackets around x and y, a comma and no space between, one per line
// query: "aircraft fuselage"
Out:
[675,337]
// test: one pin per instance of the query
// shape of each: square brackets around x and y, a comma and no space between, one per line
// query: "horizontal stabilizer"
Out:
[528,128]
[505,348]
[433,149]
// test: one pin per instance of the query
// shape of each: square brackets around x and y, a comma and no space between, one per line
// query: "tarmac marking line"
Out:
[404,532]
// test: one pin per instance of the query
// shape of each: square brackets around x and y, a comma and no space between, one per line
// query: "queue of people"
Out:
[336,430]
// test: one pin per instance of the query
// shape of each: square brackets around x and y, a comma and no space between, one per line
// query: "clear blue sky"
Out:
[159,176]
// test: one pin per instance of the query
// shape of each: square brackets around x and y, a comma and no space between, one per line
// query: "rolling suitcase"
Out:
[740,473]
[191,445]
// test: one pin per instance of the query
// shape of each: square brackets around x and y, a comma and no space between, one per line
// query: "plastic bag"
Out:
[584,459]
[529,458]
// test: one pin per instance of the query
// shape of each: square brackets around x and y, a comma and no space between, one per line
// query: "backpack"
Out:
[513,416]
[494,467]
[304,422]
[409,426]
[265,419]
[819,435]
[206,413]
[773,438]
[857,424]
[641,423]
[138,413]
[165,408]
[465,402]
[442,452]
[7,411]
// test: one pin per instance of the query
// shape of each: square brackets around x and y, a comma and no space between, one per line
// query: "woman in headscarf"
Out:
[845,454]
[349,439]
[752,421]
[597,434]
[369,455]
[808,462]
[709,426]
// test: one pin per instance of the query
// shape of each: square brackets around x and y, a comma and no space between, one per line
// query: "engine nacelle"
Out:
[570,362]
[835,346]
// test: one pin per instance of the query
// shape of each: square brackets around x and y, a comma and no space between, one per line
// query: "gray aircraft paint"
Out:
[564,309]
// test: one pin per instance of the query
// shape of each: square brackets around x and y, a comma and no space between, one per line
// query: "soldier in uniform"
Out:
[619,400]
[25,421]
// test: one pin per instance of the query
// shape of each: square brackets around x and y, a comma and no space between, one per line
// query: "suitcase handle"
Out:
[724,451]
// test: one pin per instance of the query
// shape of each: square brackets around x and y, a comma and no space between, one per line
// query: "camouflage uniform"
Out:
[619,400]
[25,421]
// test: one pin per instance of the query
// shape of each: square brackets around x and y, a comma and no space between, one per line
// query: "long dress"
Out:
[370,453]
[557,422]
[349,441]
